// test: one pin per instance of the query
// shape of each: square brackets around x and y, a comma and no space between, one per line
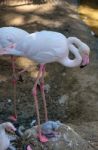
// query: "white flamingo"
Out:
[4,138]
[47,47]
[8,35]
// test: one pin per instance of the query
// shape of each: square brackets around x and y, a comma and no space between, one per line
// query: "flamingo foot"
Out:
[29,147]
[42,138]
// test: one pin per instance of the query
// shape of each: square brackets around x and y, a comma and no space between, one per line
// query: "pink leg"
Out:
[43,94]
[5,97]
[42,138]
[14,117]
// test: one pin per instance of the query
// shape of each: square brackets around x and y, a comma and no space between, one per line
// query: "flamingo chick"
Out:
[47,47]
[4,139]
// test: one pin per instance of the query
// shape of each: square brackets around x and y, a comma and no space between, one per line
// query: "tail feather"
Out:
[10,50]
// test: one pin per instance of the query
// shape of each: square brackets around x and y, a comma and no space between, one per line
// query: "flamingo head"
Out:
[84,51]
[9,127]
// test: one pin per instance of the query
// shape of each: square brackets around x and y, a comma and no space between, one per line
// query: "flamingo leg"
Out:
[14,81]
[34,92]
[43,93]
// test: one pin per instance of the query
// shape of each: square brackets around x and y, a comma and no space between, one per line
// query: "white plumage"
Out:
[11,35]
[4,138]
[43,47]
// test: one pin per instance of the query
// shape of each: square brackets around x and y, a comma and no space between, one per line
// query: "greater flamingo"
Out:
[8,35]
[4,138]
[47,47]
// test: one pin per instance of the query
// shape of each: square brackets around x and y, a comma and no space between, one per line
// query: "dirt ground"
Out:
[73,94]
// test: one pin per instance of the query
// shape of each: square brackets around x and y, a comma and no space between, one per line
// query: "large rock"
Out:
[66,139]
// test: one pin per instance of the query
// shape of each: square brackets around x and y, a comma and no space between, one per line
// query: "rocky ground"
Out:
[72,96]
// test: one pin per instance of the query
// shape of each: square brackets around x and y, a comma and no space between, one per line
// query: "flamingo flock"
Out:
[43,47]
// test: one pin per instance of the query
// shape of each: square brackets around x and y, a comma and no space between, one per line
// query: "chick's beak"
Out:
[18,133]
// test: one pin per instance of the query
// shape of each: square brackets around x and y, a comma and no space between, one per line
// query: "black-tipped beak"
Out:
[82,66]
[17,133]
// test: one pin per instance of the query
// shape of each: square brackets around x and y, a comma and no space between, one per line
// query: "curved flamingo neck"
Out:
[72,62]
[76,41]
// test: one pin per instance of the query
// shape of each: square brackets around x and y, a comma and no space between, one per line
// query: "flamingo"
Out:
[4,138]
[8,35]
[47,47]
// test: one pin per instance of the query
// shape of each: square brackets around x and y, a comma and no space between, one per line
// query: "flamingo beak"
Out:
[83,66]
[10,129]
[85,61]
[14,130]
